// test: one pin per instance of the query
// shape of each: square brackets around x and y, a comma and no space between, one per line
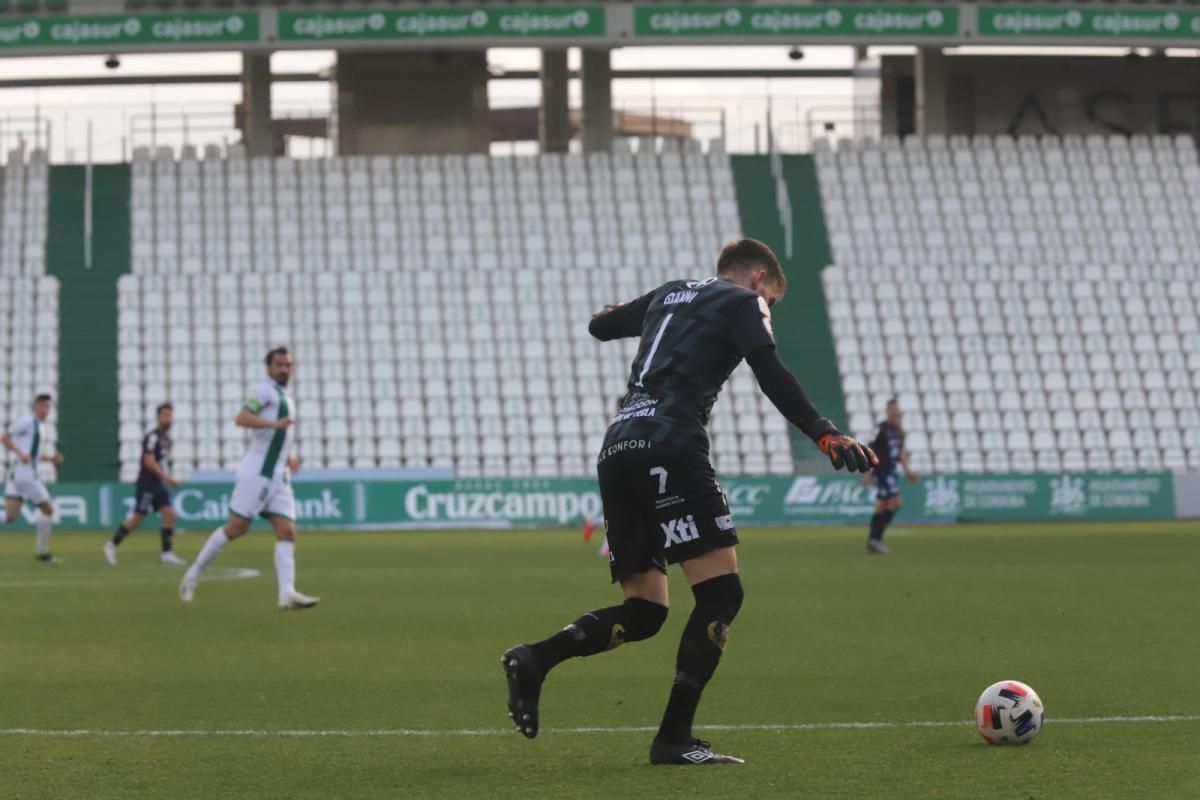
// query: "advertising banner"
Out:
[123,31]
[1026,22]
[457,22]
[849,21]
[564,502]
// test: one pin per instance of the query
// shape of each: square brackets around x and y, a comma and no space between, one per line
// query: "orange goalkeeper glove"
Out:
[848,453]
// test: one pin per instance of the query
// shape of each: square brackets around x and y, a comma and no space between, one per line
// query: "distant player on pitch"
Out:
[889,446]
[263,486]
[662,504]
[150,492]
[25,439]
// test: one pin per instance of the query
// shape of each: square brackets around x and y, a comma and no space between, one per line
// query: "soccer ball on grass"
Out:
[1009,712]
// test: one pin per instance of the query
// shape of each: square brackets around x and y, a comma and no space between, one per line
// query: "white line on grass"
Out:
[433,732]
[166,578]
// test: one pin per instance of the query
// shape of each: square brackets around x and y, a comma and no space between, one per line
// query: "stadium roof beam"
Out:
[321,77]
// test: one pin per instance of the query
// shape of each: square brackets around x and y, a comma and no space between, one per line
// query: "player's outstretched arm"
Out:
[621,321]
[785,392]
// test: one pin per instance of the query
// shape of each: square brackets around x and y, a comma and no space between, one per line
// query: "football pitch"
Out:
[846,676]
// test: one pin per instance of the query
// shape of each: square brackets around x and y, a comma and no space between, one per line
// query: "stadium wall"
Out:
[1054,95]
[755,501]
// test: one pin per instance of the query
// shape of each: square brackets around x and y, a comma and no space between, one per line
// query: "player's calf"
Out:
[718,601]
[601,630]
[526,666]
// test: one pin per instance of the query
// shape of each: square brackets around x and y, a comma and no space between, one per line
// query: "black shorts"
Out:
[661,506]
[147,497]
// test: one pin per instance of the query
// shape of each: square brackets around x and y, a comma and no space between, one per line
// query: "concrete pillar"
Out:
[932,116]
[597,101]
[412,102]
[256,104]
[554,120]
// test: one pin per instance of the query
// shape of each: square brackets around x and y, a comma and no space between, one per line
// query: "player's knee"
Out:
[720,598]
[643,619]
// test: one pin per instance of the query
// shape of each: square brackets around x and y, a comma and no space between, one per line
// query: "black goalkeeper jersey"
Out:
[693,335]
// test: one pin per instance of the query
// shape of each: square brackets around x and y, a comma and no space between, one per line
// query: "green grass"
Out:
[1100,619]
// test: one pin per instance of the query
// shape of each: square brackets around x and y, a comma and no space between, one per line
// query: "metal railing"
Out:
[23,132]
[100,133]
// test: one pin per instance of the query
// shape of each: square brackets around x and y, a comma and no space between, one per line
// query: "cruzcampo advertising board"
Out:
[562,502]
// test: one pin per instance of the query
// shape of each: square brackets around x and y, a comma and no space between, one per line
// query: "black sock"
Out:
[120,535]
[717,603]
[877,526]
[885,521]
[601,630]
[167,534]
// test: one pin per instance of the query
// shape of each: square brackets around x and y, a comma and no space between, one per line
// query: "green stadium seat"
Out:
[57,5]
[28,6]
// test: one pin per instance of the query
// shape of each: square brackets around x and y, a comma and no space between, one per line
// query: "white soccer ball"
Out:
[1009,712]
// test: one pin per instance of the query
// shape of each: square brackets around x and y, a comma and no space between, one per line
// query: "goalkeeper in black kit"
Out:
[662,503]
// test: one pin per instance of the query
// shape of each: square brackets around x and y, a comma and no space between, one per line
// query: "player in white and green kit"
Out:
[263,487]
[25,438]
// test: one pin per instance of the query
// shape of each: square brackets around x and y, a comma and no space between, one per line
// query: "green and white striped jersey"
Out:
[26,433]
[268,452]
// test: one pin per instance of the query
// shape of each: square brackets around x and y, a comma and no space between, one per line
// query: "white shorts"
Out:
[259,496]
[26,487]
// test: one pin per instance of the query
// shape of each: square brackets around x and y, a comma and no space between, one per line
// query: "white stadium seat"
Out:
[1086,341]
[29,298]
[336,264]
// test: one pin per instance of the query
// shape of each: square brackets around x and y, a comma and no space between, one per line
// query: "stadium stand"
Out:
[29,298]
[1034,299]
[437,305]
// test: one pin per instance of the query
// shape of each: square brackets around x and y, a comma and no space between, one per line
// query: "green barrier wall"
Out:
[87,340]
[768,500]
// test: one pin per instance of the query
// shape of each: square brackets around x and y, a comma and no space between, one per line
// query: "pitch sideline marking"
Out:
[215,574]
[431,732]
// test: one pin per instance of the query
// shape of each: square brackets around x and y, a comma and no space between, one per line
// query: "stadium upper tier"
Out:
[29,298]
[437,306]
[1034,301]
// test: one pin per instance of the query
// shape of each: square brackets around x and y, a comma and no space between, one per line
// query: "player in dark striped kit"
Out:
[889,446]
[662,504]
[151,492]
